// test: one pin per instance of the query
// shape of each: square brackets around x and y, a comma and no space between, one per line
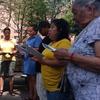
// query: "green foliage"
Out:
[69,17]
[75,29]
[24,12]
[55,6]
[36,11]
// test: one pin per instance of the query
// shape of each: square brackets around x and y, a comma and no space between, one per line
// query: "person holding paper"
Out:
[52,69]
[83,70]
[7,52]
[29,68]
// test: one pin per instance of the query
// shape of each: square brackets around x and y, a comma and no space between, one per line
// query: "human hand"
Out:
[62,54]
[40,60]
[13,53]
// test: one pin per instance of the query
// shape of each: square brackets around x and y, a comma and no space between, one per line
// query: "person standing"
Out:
[52,69]
[43,30]
[84,68]
[7,52]
[29,66]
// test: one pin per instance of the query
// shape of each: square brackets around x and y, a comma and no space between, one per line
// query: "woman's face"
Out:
[82,15]
[31,31]
[53,32]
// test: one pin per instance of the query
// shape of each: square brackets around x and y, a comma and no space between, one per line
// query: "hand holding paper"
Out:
[48,47]
[29,50]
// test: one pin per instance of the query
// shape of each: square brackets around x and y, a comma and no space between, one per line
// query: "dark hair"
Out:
[34,26]
[43,24]
[7,28]
[62,27]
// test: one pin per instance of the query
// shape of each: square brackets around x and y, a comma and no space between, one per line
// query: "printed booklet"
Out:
[28,50]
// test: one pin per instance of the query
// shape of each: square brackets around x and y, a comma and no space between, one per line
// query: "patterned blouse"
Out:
[85,84]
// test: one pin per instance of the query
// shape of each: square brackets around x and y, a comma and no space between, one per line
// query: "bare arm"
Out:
[90,63]
[51,62]
[36,48]
[55,62]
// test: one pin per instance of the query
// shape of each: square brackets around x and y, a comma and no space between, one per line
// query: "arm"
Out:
[91,63]
[14,51]
[55,62]
[51,62]
[36,49]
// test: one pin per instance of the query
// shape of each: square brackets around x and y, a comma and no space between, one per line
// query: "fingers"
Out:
[34,58]
[61,53]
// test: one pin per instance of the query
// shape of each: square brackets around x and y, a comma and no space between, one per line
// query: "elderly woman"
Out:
[84,56]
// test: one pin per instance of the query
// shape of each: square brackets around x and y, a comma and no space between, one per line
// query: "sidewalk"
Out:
[19,89]
[6,96]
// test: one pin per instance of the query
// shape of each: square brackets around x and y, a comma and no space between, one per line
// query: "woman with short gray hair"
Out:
[84,56]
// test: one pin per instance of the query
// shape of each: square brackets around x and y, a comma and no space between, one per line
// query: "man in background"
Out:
[7,52]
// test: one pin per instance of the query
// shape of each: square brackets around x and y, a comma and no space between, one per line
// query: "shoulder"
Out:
[13,41]
[64,43]
[37,37]
[96,22]
[93,31]
[0,42]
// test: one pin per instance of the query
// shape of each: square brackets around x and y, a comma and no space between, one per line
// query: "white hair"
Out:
[95,3]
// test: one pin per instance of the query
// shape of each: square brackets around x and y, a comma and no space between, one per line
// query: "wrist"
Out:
[71,56]
[43,61]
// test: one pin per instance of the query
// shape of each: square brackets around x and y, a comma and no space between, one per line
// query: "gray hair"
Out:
[95,3]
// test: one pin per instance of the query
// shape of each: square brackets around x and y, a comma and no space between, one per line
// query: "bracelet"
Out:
[71,56]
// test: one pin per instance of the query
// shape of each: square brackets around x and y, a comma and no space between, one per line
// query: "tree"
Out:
[74,28]
[28,12]
[6,12]
[36,11]
[25,12]
[55,7]
[68,15]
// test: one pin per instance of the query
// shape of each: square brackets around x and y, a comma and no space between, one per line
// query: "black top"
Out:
[46,40]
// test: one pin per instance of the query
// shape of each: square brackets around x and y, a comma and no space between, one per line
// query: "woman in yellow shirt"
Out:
[52,69]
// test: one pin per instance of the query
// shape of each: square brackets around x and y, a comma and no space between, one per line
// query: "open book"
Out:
[49,47]
[28,50]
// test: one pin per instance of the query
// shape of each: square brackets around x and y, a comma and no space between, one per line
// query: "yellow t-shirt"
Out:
[52,75]
[7,46]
